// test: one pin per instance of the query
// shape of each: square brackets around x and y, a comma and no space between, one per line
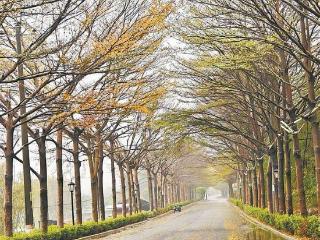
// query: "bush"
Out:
[293,224]
[70,232]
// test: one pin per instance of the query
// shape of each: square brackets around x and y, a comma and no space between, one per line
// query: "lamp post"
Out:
[276,173]
[276,186]
[136,199]
[240,188]
[71,186]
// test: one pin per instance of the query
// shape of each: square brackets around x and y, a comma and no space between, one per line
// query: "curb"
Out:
[133,225]
[113,231]
[263,225]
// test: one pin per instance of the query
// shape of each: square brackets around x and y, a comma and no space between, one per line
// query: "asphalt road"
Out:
[212,219]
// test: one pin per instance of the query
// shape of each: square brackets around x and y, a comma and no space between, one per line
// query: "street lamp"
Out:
[71,186]
[276,173]
[136,198]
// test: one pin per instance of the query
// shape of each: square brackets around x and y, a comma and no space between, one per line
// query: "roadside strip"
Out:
[117,230]
[262,225]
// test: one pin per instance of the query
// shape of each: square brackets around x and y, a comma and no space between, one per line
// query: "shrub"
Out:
[70,232]
[293,224]
[313,229]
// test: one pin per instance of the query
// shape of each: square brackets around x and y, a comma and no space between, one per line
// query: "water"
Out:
[246,231]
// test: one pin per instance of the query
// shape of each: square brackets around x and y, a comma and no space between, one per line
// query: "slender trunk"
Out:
[282,206]
[250,188]
[8,178]
[178,192]
[160,192]
[262,185]
[60,219]
[171,193]
[163,192]
[274,180]
[166,197]
[289,203]
[94,196]
[114,191]
[100,190]
[299,176]
[287,102]
[155,191]
[133,194]
[174,192]
[123,190]
[269,186]
[136,180]
[43,183]
[230,189]
[255,188]
[150,190]
[24,139]
[129,189]
[244,188]
[77,176]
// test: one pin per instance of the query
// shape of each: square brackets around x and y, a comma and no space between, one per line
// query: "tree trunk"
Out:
[250,187]
[114,190]
[123,190]
[155,191]
[150,189]
[288,175]
[77,176]
[133,194]
[275,180]
[269,186]
[262,185]
[282,205]
[43,183]
[178,192]
[137,185]
[255,188]
[26,177]
[94,196]
[299,176]
[60,218]
[244,188]
[129,189]
[8,178]
[100,186]
[166,194]
[230,189]
[160,193]
[24,139]
[175,192]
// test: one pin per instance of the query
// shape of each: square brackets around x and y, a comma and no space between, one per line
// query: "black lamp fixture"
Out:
[71,186]
[276,173]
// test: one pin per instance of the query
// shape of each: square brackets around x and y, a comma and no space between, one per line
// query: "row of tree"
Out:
[250,72]
[84,72]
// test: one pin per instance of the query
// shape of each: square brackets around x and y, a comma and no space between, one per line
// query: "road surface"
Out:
[211,219]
